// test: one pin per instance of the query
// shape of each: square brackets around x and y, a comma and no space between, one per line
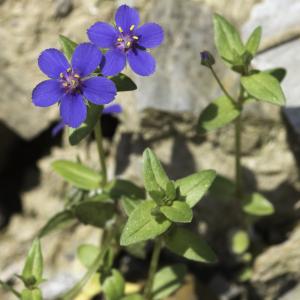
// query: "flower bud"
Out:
[207,59]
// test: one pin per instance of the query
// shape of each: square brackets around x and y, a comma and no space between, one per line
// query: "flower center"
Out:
[126,41]
[71,82]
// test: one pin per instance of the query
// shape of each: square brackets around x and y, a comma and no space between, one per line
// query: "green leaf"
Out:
[134,297]
[179,211]
[114,286]
[87,254]
[94,213]
[119,188]
[76,135]
[254,40]
[171,190]
[168,280]
[245,274]
[33,268]
[137,250]
[278,73]
[31,294]
[227,39]
[189,245]
[193,187]
[264,87]
[123,83]
[257,205]
[129,205]
[222,187]
[56,222]
[155,177]
[68,46]
[77,174]
[240,242]
[217,114]
[142,225]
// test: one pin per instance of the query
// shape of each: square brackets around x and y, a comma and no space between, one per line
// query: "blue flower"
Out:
[127,41]
[70,84]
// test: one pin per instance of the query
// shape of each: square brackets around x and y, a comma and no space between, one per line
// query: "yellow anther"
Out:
[69,70]
[65,84]
[120,40]
[76,76]
[73,82]
[128,44]
[61,75]
[135,37]
[131,27]
[120,29]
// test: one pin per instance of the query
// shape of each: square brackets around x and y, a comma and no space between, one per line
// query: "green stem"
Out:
[153,268]
[99,140]
[10,288]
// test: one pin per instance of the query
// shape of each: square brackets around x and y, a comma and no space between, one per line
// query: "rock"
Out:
[277,269]
[280,31]
[63,8]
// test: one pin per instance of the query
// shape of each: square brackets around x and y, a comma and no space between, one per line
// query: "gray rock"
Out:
[63,8]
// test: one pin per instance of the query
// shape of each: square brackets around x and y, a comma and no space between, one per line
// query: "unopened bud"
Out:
[207,59]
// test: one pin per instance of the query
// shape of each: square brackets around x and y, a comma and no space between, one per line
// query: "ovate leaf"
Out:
[167,281]
[222,187]
[114,286]
[33,268]
[94,213]
[239,241]
[129,204]
[192,188]
[143,225]
[254,40]
[155,177]
[179,212]
[278,73]
[217,114]
[77,174]
[189,245]
[57,221]
[76,135]
[123,83]
[68,46]
[257,205]
[87,254]
[264,87]
[227,39]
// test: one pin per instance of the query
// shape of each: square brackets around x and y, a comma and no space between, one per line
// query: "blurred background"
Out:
[161,114]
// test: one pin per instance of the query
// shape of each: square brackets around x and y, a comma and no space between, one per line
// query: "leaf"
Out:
[68,46]
[137,250]
[120,187]
[76,135]
[222,187]
[217,114]
[264,87]
[87,254]
[278,73]
[94,213]
[142,225]
[155,177]
[245,274]
[123,83]
[114,286]
[257,205]
[57,221]
[189,245]
[77,174]
[227,39]
[254,40]
[33,268]
[167,281]
[193,187]
[31,294]
[240,242]
[179,211]
[171,190]
[129,205]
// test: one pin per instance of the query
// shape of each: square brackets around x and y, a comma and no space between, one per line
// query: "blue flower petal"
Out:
[112,109]
[52,62]
[126,17]
[141,62]
[47,93]
[114,62]
[73,110]
[86,58]
[102,34]
[150,35]
[57,128]
[99,90]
